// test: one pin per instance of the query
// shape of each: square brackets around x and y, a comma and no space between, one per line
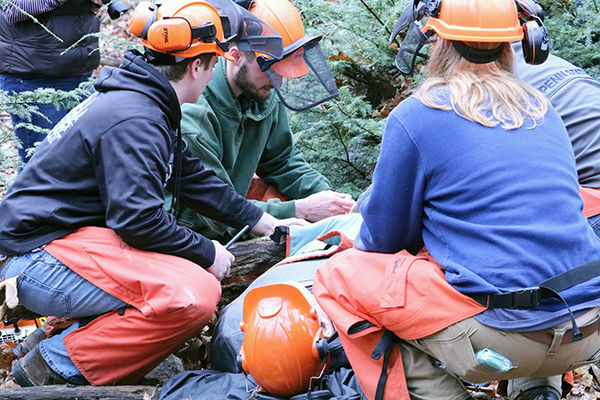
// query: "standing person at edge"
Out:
[576,97]
[478,168]
[239,127]
[84,225]
[32,58]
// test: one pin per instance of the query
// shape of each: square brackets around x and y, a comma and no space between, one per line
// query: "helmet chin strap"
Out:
[478,56]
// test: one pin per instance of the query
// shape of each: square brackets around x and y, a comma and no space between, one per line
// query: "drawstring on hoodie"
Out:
[178,157]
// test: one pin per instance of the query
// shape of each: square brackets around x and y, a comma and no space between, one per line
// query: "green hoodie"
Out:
[236,143]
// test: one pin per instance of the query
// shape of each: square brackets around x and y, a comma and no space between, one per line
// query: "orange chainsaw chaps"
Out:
[405,294]
[171,300]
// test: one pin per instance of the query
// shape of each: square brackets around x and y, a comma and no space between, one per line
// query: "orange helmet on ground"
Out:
[282,325]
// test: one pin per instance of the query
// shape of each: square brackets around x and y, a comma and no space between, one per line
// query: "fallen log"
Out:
[252,258]
[63,392]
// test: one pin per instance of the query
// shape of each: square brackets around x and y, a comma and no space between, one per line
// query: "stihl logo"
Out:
[165,35]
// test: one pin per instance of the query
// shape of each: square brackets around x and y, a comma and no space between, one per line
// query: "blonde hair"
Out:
[489,94]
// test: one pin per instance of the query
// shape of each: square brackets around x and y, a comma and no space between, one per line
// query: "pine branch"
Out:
[376,16]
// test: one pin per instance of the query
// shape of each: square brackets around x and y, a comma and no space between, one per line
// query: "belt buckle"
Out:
[527,297]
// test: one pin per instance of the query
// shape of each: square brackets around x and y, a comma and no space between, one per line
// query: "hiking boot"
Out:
[540,393]
[29,342]
[32,370]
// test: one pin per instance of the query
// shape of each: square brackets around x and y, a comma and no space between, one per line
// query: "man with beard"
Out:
[240,127]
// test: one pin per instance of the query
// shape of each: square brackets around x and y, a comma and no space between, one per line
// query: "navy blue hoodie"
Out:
[106,163]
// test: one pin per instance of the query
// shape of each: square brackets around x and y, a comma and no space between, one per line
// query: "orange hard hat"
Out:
[476,21]
[282,16]
[282,325]
[181,28]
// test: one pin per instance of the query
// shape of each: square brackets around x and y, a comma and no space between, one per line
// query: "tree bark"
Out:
[252,258]
[65,392]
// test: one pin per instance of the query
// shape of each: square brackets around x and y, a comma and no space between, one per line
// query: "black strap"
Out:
[478,56]
[531,297]
[384,347]
[573,277]
[528,297]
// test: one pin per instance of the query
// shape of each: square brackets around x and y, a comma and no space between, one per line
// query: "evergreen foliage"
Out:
[574,29]
[342,138]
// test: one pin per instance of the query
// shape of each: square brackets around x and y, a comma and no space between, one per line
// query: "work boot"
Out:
[32,370]
[540,393]
[29,342]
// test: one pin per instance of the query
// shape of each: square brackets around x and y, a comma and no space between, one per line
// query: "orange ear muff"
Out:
[170,34]
[143,17]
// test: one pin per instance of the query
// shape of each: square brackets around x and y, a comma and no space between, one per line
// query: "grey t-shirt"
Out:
[576,97]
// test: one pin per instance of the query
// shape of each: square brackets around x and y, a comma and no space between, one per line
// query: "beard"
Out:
[248,89]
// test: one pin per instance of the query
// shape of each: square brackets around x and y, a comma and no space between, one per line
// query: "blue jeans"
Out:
[17,84]
[595,224]
[48,287]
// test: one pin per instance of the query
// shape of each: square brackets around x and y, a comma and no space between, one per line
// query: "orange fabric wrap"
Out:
[173,299]
[591,201]
[262,191]
[405,294]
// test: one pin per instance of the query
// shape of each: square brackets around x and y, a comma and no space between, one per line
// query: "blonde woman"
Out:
[477,167]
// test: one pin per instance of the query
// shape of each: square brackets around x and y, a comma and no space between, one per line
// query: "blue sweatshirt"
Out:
[498,209]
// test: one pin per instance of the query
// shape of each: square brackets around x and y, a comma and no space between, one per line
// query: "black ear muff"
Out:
[535,42]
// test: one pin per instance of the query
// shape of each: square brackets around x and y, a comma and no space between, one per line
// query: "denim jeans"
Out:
[17,84]
[48,287]
[595,224]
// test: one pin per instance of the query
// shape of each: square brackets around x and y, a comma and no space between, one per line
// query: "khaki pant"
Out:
[456,345]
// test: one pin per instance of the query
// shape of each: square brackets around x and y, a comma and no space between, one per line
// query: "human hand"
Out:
[322,205]
[267,224]
[223,260]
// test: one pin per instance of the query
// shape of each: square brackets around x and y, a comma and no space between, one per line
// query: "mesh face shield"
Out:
[411,47]
[248,31]
[415,38]
[302,78]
